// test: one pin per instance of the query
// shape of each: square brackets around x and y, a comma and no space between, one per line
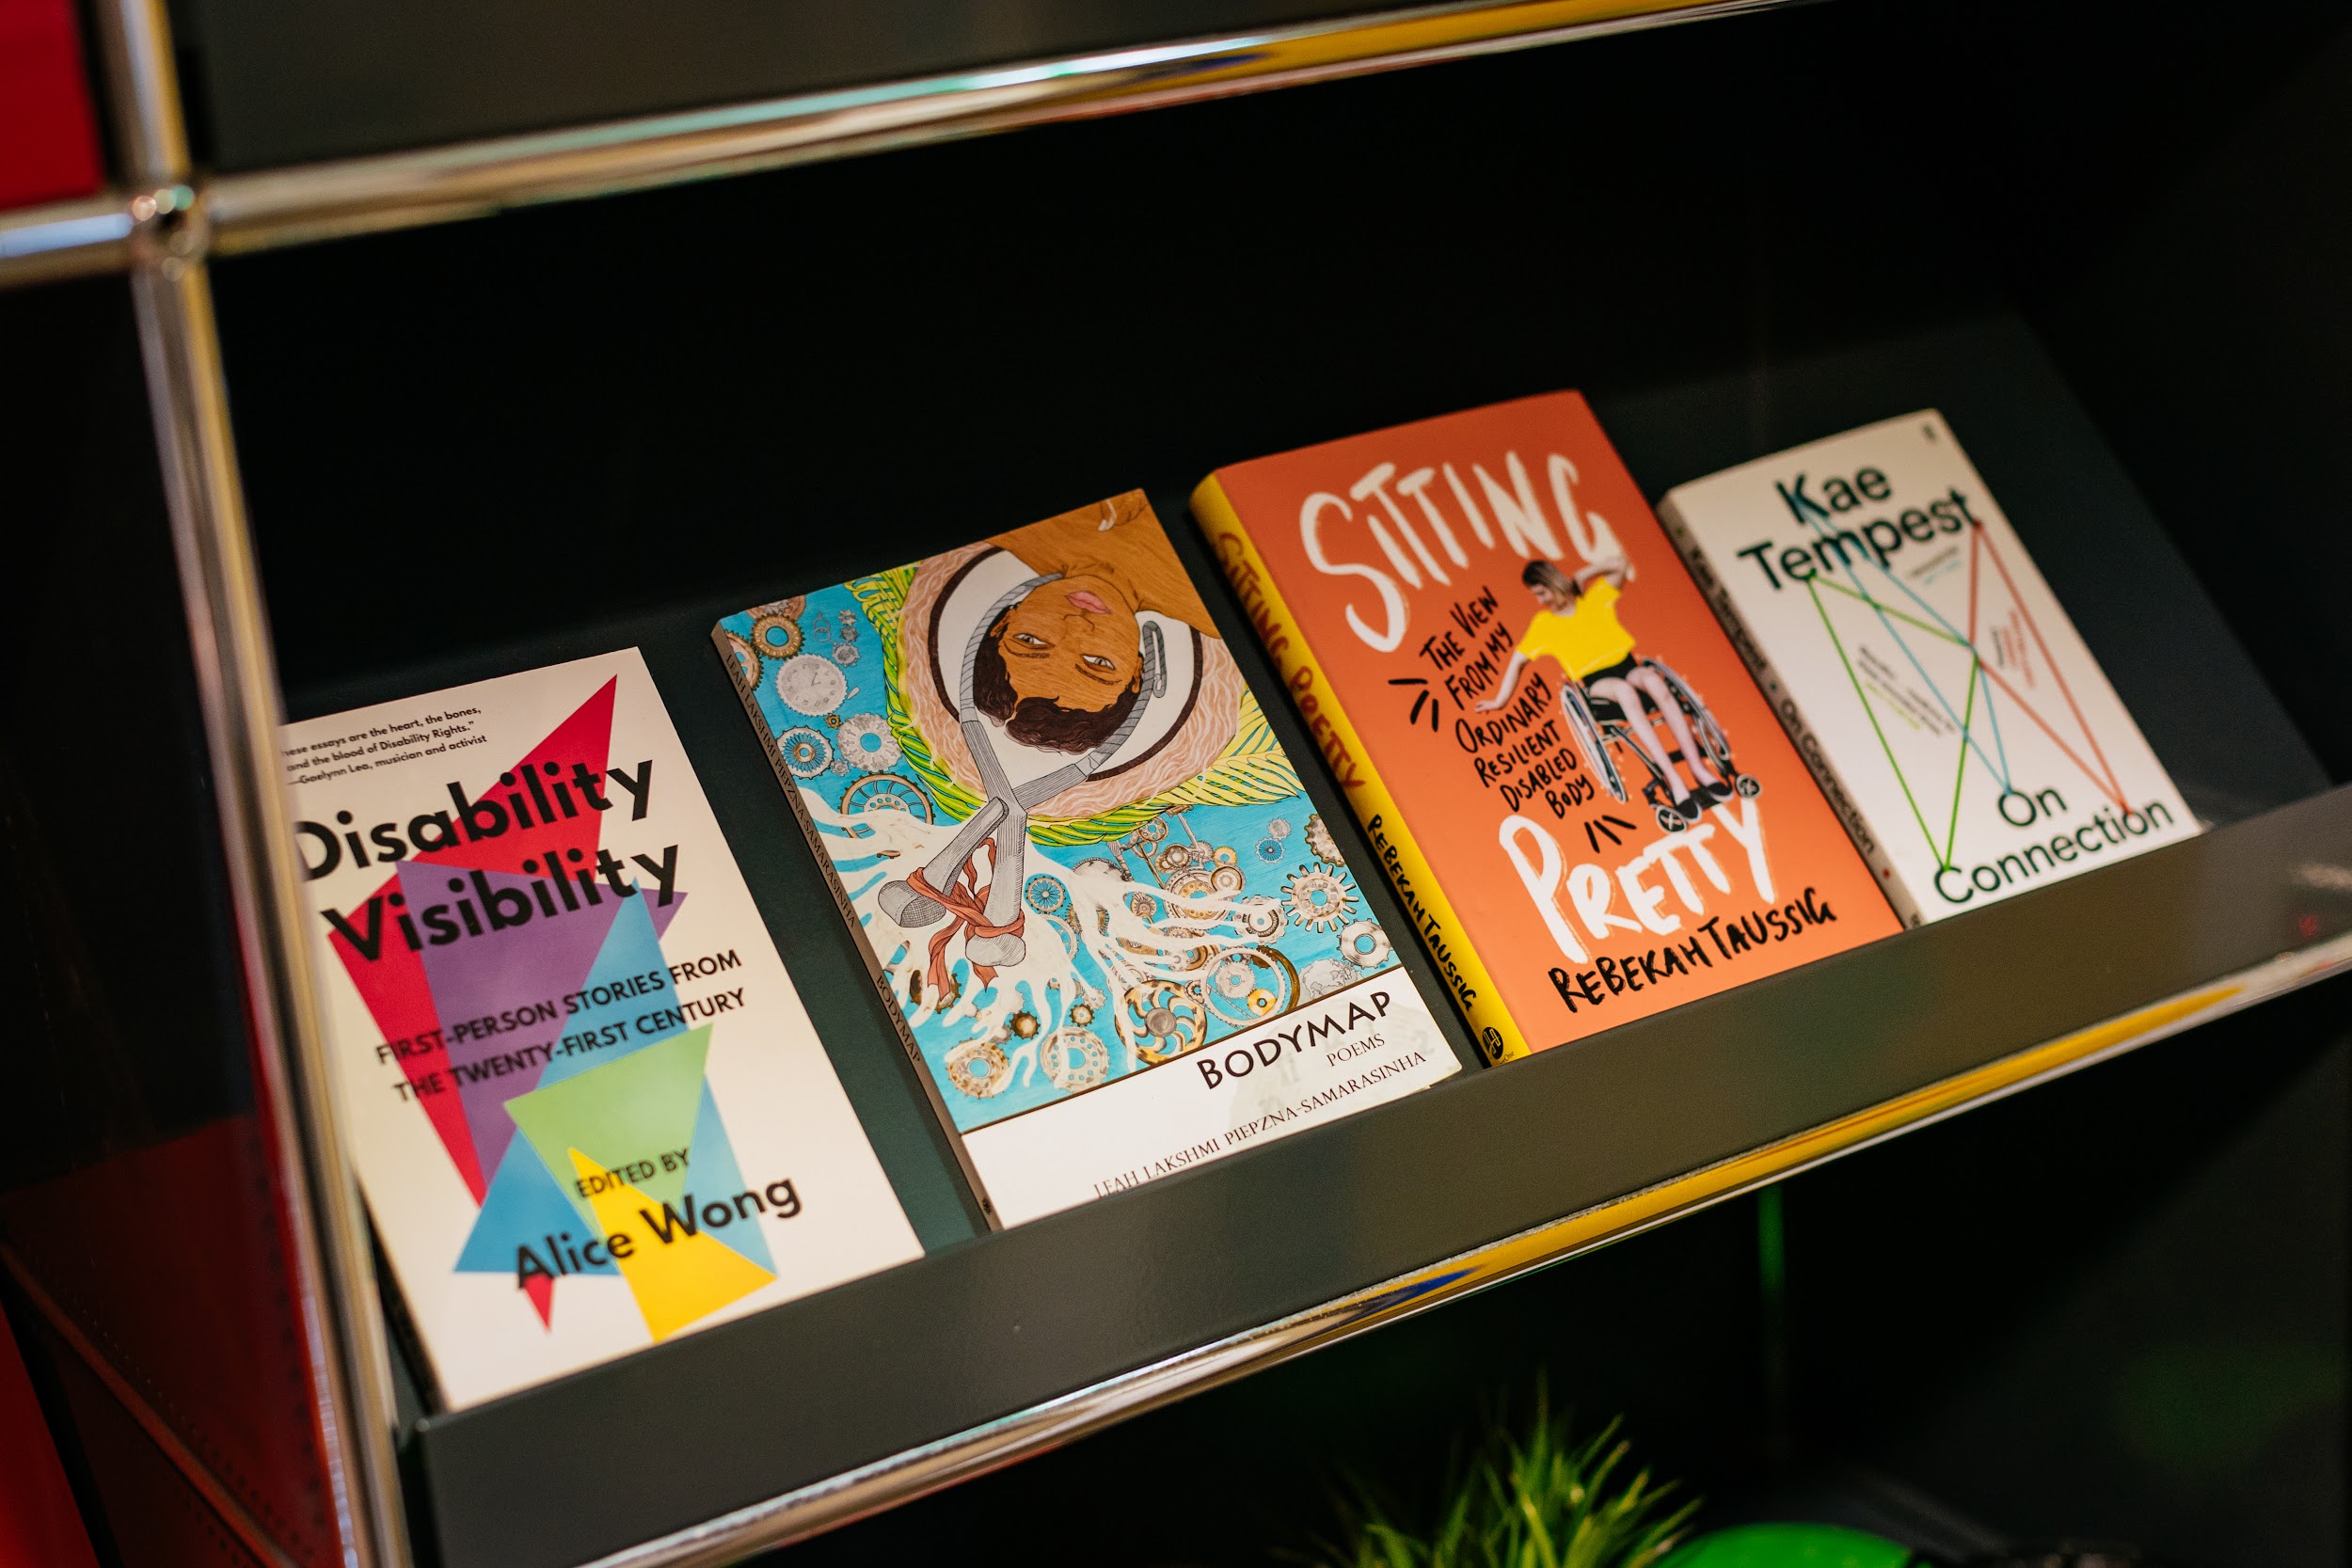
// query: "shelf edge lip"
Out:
[65,239]
[887,1482]
[340,197]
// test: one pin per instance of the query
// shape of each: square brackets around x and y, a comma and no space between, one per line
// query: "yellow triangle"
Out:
[678,1282]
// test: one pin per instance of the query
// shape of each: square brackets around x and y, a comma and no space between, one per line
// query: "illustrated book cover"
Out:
[1951,710]
[1578,792]
[1117,938]
[586,1107]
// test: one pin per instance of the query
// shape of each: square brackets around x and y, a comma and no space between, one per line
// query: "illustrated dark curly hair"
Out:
[1039,720]
[1543,573]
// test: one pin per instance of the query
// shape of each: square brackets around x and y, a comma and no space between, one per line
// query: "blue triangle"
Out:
[630,950]
[711,1159]
[523,1205]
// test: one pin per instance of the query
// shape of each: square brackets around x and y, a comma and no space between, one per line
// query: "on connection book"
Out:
[1948,705]
[1579,793]
[586,1107]
[1116,937]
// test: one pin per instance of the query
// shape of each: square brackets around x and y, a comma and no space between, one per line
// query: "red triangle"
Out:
[394,988]
[2027,635]
[401,1003]
[584,738]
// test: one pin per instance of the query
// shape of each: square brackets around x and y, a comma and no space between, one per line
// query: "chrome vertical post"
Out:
[236,678]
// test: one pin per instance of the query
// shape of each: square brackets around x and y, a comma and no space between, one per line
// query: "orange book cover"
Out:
[1584,802]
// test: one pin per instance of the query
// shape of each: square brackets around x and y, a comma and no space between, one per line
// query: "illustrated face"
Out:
[1074,642]
[1551,600]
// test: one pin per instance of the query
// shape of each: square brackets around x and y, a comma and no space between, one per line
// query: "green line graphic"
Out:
[1822,610]
[1960,777]
[1889,610]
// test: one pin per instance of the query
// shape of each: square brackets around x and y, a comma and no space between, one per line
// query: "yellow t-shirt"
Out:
[1586,639]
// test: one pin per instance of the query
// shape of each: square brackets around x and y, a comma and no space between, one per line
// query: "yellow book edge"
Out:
[1401,859]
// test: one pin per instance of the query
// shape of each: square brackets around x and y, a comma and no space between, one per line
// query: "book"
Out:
[1116,937]
[2124,583]
[1972,745]
[1577,790]
[586,1108]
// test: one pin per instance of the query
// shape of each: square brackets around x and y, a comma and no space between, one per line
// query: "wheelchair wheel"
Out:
[1590,744]
[1748,785]
[1671,819]
[1710,735]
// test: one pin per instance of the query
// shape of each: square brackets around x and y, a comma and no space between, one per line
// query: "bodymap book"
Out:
[1580,797]
[586,1107]
[1116,937]
[1952,711]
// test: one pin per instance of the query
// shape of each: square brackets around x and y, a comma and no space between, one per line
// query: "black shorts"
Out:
[1623,668]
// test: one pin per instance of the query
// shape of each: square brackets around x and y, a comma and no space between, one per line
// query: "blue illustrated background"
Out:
[1152,930]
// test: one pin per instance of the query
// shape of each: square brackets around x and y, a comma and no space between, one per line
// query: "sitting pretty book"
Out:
[1116,938]
[1583,799]
[586,1107]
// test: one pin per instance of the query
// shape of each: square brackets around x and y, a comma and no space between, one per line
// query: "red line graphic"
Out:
[2110,784]
[2103,786]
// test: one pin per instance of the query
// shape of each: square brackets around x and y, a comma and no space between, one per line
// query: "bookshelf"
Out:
[716,297]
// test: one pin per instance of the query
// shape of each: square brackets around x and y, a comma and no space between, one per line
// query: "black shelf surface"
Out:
[990,1327]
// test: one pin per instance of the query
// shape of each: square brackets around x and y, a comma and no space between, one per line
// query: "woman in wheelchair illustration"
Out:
[1607,694]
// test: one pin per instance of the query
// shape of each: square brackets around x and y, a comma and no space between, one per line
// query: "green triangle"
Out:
[1921,646]
[625,1115]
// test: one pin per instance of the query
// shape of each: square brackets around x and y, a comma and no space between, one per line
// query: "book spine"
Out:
[1406,868]
[874,968]
[1777,695]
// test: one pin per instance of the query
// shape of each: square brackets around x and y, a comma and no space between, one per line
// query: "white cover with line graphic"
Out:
[1951,711]
[585,1104]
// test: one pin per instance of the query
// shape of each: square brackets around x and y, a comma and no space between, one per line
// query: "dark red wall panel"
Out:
[171,1260]
[48,133]
[40,1525]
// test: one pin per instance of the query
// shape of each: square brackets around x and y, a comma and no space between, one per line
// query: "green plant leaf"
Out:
[1522,1497]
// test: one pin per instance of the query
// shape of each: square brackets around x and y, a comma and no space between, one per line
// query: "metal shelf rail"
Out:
[844,1403]
[257,210]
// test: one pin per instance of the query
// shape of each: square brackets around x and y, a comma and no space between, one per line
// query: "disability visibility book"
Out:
[1580,797]
[586,1107]
[1951,709]
[1116,937]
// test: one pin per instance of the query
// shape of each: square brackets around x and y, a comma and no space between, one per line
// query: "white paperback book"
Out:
[586,1107]
[1950,710]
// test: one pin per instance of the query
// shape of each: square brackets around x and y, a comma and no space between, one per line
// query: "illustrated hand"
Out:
[1616,566]
[1492,702]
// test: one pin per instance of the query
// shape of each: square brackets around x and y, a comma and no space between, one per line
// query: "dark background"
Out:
[706,390]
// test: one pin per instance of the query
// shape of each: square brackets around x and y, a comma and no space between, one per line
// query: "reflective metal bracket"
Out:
[898,1479]
[163,244]
[397,190]
[350,1368]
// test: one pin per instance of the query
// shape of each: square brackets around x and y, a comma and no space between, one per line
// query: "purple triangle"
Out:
[665,913]
[499,972]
